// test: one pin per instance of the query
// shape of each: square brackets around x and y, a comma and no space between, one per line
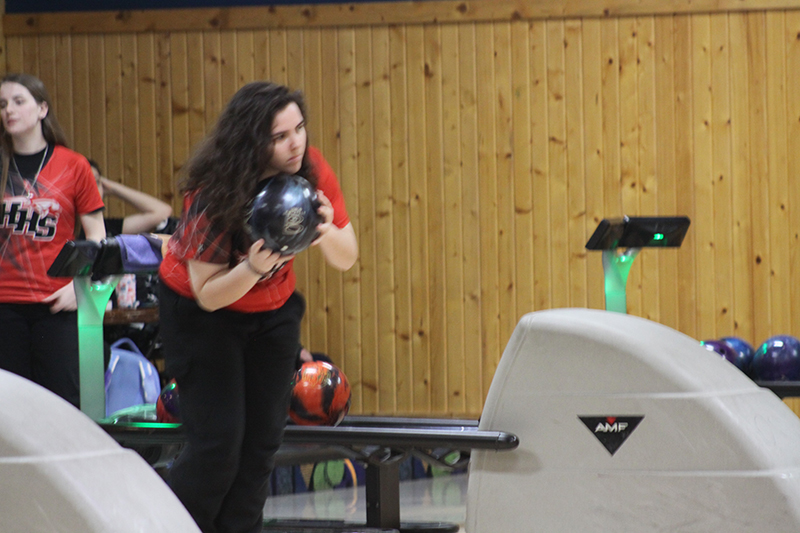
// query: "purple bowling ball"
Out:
[744,352]
[721,348]
[777,359]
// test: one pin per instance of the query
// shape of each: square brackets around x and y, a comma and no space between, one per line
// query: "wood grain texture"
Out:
[368,13]
[476,156]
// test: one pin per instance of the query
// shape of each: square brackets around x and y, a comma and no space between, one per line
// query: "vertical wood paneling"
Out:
[46,66]
[114,123]
[417,163]
[649,263]
[13,56]
[684,172]
[505,189]
[609,49]
[470,209]
[666,163]
[163,126]
[435,217]
[629,184]
[324,306]
[30,57]
[741,252]
[228,64]
[62,99]
[145,74]
[307,264]
[557,157]
[792,30]
[348,337]
[245,57]
[454,259]
[212,93]
[778,202]
[721,176]
[476,159]
[576,178]
[195,75]
[95,89]
[593,152]
[294,58]
[401,222]
[791,41]
[277,57]
[487,191]
[541,168]
[130,142]
[382,141]
[261,54]
[180,110]
[81,104]
[365,173]
[759,175]
[328,296]
[521,151]
[701,170]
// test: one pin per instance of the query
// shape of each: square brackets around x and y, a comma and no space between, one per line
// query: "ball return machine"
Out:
[381,443]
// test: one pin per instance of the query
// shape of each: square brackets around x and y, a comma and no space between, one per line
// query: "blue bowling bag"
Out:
[131,379]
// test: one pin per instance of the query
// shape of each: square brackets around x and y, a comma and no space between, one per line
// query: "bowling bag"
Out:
[131,379]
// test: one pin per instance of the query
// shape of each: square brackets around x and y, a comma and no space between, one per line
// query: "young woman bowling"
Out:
[230,319]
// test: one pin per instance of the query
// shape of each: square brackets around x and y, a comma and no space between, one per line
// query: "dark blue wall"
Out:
[45,6]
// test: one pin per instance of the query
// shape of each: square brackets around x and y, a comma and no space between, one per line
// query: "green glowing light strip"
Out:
[92,299]
[616,267]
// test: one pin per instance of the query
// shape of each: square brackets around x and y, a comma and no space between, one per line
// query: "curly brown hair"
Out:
[228,165]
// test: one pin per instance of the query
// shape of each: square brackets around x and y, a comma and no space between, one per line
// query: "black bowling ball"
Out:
[284,214]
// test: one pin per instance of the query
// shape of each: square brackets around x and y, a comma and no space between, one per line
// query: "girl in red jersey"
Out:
[46,188]
[230,319]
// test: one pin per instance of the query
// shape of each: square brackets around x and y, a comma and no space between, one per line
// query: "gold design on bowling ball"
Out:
[293,221]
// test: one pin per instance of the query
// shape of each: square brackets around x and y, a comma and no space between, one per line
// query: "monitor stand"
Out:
[616,267]
[92,298]
[621,239]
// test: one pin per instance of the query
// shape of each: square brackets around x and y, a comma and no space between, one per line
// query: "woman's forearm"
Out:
[340,247]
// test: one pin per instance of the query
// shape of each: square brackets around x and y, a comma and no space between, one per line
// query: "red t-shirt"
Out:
[195,239]
[33,230]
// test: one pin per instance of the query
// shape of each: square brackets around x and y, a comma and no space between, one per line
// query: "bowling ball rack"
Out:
[381,443]
[783,389]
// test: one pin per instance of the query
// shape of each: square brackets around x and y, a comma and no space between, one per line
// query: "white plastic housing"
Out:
[713,451]
[60,472]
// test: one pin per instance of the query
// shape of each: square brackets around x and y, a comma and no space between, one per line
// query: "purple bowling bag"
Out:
[131,379]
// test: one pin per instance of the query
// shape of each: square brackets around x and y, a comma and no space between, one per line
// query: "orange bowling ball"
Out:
[320,395]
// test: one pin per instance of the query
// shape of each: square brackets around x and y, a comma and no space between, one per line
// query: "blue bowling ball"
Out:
[777,359]
[744,351]
[721,348]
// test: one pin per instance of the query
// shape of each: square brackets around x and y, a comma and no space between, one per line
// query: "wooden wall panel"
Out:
[741,253]
[469,207]
[646,156]
[594,153]
[403,327]
[721,173]
[452,226]
[476,157]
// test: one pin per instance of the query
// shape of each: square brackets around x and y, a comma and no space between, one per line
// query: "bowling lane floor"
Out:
[435,499]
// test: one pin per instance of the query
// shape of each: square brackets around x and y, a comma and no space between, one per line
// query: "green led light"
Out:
[658,236]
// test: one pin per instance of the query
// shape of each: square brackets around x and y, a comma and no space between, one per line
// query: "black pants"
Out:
[233,372]
[42,347]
